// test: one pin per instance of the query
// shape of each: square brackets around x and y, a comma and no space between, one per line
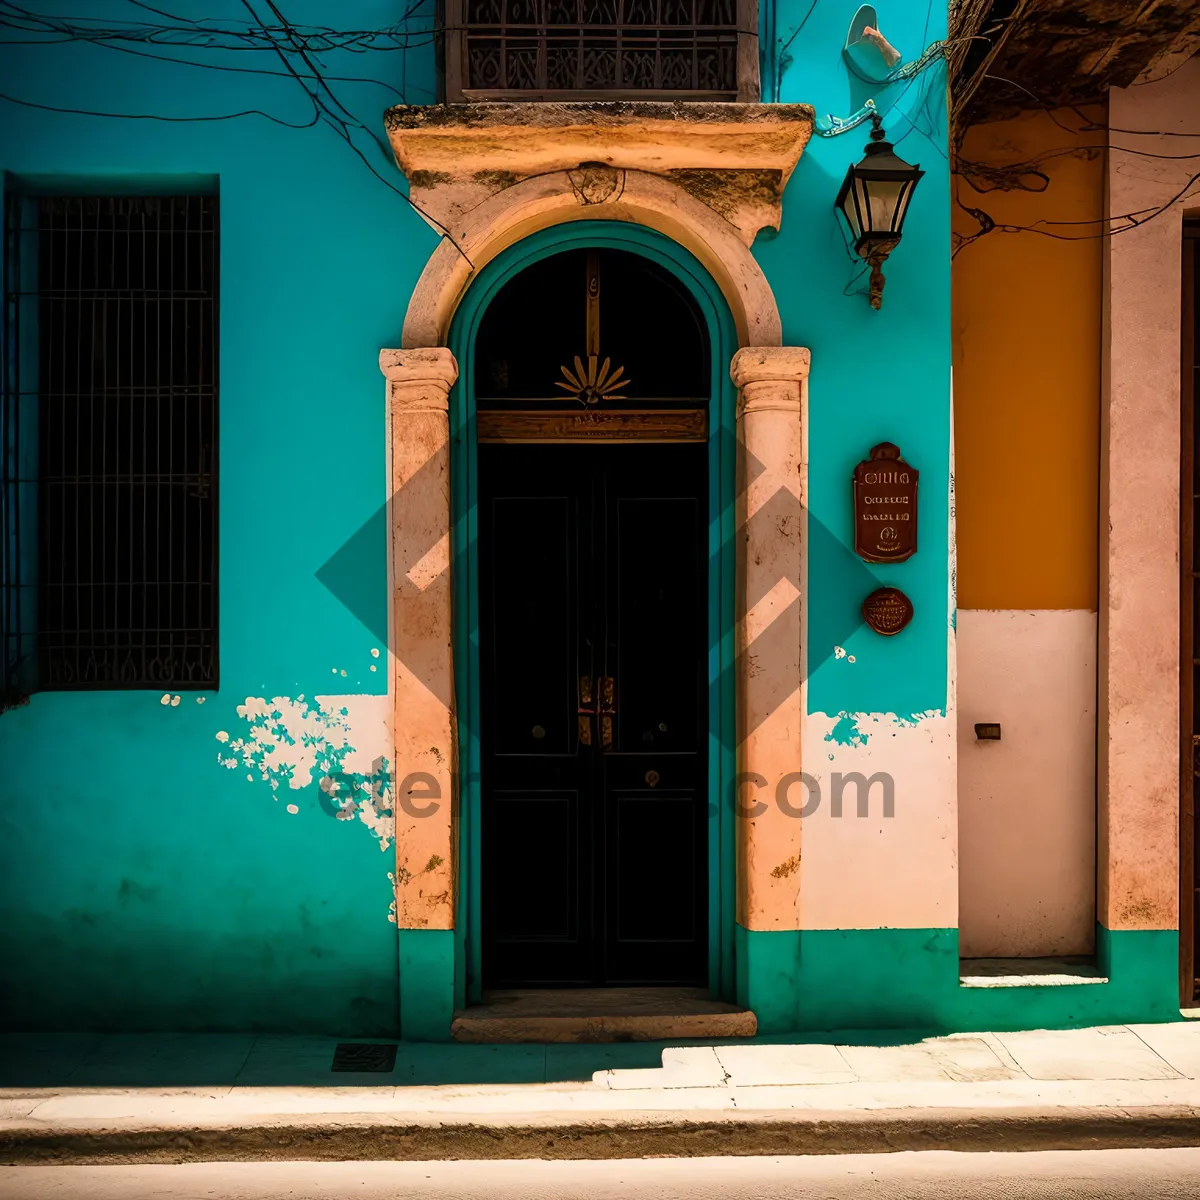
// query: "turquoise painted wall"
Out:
[143,884]
[875,375]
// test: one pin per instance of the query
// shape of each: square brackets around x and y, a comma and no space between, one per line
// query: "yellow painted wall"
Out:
[1026,344]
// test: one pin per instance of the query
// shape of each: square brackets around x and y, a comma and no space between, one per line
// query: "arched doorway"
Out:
[755,427]
[592,386]
[593,470]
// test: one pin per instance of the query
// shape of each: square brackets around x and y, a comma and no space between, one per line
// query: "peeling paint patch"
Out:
[911,719]
[839,652]
[293,809]
[846,732]
[850,729]
[340,743]
[789,866]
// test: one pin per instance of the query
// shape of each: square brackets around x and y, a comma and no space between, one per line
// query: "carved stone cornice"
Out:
[734,158]
[770,378]
[419,380]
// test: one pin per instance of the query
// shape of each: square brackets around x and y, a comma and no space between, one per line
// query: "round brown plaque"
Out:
[887,610]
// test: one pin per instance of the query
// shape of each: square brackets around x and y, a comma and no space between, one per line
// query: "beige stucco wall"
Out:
[1139,575]
[1027,803]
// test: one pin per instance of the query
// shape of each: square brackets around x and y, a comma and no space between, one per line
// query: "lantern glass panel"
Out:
[902,207]
[850,202]
[883,197]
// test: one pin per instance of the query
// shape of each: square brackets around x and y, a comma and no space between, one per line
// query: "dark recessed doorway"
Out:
[593,597]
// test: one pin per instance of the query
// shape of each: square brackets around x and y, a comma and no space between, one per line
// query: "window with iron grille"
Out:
[109,425]
[601,49]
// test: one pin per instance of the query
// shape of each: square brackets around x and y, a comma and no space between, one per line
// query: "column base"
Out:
[768,976]
[426,984]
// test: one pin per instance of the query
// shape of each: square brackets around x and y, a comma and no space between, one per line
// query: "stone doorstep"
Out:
[595,1015]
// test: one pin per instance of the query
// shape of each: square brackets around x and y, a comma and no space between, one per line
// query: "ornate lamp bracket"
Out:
[831,126]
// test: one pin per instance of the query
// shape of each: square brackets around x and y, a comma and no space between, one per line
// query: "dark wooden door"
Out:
[593,654]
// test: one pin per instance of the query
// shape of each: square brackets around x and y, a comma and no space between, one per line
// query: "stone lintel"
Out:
[736,158]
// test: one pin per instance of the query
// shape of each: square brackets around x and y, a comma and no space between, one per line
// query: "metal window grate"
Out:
[638,46]
[110,443]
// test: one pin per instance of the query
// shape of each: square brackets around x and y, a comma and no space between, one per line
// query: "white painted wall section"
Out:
[1027,804]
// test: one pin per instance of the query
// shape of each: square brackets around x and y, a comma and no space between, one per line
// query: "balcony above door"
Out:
[600,50]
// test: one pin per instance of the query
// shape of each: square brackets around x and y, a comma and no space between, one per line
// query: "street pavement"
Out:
[80,1099]
[931,1175]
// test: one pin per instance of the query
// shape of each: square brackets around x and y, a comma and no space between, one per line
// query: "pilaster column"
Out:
[424,800]
[772,388]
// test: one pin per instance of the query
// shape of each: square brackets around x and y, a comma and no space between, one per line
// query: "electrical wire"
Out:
[85,112]
[783,59]
[205,66]
[341,127]
[283,38]
[1011,177]
[255,35]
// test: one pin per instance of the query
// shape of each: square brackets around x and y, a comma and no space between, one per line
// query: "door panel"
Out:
[654,904]
[533,858]
[593,564]
[655,572]
[532,602]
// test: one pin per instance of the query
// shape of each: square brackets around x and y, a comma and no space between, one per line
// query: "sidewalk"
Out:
[175,1098]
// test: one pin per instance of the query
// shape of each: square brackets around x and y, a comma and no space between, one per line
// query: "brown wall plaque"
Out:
[887,610]
[885,506]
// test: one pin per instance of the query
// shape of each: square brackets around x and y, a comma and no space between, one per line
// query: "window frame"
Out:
[22,481]
[453,73]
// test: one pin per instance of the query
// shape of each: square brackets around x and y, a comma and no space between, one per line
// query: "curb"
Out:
[367,1137]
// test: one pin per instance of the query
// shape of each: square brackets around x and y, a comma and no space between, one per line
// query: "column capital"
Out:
[419,379]
[770,364]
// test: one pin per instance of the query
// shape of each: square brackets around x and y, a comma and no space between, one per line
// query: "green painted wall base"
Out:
[426,984]
[768,977]
[839,979]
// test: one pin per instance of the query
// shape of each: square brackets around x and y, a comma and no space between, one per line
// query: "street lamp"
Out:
[874,200]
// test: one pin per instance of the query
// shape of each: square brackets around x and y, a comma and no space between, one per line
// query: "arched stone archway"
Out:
[592,193]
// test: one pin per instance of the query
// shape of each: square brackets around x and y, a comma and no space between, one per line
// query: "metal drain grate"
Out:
[364,1056]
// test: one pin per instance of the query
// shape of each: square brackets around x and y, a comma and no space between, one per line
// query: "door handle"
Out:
[606,707]
[586,709]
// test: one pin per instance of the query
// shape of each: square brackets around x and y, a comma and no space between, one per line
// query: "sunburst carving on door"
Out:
[595,382]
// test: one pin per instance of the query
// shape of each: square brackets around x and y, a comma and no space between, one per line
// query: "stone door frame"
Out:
[771,382]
